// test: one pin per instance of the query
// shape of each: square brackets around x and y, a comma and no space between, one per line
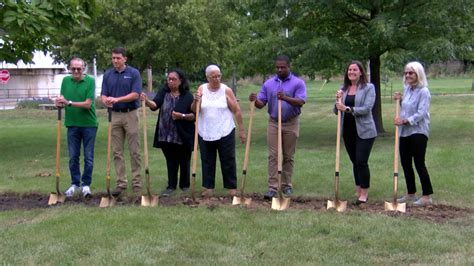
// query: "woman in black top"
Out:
[174,128]
[355,100]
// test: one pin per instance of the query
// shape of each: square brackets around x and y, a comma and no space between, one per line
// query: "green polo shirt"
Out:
[79,91]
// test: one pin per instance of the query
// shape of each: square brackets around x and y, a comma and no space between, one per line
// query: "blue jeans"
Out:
[76,136]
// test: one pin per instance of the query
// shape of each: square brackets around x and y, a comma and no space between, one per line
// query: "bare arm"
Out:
[235,108]
[253,97]
[197,98]
[151,104]
[61,101]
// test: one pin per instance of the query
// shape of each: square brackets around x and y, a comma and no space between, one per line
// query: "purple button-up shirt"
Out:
[292,86]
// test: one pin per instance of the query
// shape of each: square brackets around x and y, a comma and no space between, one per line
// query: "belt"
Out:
[284,121]
[124,110]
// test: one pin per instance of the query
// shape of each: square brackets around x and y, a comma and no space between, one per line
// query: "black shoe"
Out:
[185,189]
[288,191]
[167,192]
[269,195]
[358,202]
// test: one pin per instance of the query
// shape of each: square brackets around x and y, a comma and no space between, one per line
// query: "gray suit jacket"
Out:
[364,102]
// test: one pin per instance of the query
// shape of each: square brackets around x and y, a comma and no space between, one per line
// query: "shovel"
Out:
[148,200]
[193,174]
[108,201]
[280,203]
[339,205]
[394,205]
[57,196]
[242,200]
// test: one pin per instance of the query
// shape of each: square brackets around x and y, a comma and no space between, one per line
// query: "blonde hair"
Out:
[211,68]
[419,70]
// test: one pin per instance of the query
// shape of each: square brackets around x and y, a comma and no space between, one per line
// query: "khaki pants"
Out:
[126,125]
[290,134]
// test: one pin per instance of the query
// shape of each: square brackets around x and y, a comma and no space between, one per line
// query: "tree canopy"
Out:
[160,34]
[320,37]
[27,26]
[325,35]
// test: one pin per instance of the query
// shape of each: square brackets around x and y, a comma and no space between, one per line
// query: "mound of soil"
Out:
[437,213]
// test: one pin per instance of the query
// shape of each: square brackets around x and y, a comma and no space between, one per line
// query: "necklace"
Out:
[174,93]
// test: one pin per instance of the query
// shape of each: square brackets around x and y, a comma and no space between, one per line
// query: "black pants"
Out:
[413,148]
[359,152]
[177,157]
[226,148]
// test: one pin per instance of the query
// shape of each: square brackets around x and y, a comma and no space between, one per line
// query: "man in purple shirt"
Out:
[292,91]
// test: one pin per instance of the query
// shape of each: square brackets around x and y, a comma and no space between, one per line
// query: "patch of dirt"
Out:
[437,213]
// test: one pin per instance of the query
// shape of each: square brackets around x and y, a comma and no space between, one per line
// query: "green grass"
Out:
[182,235]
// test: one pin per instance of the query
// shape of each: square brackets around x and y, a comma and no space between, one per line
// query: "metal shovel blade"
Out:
[280,203]
[395,206]
[55,198]
[150,201]
[107,202]
[339,205]
[241,201]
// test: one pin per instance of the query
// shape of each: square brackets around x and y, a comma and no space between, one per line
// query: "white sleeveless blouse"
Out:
[215,118]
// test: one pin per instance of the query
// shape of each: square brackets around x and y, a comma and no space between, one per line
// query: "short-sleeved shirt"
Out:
[292,86]
[79,91]
[118,84]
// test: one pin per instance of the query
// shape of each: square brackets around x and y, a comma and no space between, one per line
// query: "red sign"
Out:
[4,76]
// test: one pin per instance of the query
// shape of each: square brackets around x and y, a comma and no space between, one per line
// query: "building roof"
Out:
[40,61]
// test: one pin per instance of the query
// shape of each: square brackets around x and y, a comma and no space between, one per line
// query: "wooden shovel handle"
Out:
[196,133]
[396,152]
[145,139]
[397,134]
[338,152]
[109,141]
[280,151]
[249,135]
[58,150]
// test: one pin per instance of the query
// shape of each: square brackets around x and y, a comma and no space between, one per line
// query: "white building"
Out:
[38,80]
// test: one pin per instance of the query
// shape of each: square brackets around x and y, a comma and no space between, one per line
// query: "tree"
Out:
[161,34]
[26,26]
[325,35]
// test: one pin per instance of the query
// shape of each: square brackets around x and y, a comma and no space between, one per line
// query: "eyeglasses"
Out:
[76,69]
[409,73]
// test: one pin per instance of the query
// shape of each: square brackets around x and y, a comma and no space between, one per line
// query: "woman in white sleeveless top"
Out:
[216,130]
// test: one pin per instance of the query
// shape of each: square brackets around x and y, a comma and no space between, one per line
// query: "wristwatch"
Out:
[69,103]
[348,109]
[183,116]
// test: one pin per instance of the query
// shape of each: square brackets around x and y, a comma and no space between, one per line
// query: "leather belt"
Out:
[124,110]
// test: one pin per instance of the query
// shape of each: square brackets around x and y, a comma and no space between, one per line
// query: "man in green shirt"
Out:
[78,99]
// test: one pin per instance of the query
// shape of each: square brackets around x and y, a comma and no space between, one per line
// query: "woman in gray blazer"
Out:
[355,100]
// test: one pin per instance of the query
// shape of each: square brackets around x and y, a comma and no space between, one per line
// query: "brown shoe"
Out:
[232,192]
[207,193]
[118,191]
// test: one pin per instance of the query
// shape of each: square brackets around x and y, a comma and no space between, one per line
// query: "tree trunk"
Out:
[375,79]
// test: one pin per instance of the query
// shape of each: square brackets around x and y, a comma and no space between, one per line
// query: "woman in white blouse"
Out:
[216,130]
[414,123]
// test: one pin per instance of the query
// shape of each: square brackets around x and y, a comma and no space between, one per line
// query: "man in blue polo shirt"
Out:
[292,91]
[121,89]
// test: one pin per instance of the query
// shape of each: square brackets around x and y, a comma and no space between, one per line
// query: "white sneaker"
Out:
[86,191]
[70,191]
[408,198]
[421,202]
